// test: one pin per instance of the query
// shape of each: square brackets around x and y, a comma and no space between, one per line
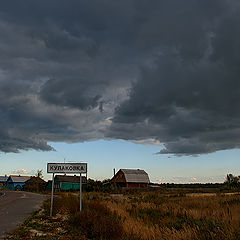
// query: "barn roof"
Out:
[135,176]
[19,179]
[73,179]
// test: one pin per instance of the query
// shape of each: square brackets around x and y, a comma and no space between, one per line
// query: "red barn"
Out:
[131,178]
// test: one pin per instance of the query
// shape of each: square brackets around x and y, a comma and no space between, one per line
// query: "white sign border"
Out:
[61,168]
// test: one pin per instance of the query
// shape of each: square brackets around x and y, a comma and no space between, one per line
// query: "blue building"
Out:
[16,182]
[3,180]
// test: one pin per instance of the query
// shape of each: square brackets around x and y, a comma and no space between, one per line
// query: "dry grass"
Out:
[152,216]
[139,216]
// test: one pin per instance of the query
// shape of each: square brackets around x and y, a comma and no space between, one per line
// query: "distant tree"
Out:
[229,178]
[99,186]
[106,180]
[39,173]
[92,186]
[232,181]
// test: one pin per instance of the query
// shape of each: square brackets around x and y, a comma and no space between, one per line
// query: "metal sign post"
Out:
[52,195]
[67,168]
[80,197]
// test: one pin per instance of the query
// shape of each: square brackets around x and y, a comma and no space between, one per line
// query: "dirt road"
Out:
[15,207]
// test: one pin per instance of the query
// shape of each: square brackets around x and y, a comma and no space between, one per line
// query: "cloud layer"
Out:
[164,71]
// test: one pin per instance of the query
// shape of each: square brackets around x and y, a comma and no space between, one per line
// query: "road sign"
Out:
[67,167]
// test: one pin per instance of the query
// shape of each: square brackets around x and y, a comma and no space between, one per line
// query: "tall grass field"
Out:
[138,216]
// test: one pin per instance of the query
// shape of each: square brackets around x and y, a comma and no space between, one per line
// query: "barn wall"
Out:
[136,185]
[119,177]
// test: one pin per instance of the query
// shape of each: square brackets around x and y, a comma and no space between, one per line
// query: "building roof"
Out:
[68,178]
[35,180]
[19,179]
[3,178]
[135,176]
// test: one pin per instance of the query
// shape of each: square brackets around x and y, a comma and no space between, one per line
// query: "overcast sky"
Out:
[152,72]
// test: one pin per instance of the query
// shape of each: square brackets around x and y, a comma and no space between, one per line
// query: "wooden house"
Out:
[35,184]
[16,182]
[68,183]
[3,180]
[48,185]
[131,178]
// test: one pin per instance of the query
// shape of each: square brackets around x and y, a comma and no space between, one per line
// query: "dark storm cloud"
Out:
[72,93]
[136,70]
[188,99]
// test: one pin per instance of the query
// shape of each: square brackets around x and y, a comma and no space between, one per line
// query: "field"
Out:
[137,216]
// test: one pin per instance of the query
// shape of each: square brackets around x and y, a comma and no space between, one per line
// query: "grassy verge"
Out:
[40,226]
[137,216]
[96,221]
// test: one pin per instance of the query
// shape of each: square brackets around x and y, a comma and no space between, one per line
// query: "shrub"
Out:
[66,203]
[96,221]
